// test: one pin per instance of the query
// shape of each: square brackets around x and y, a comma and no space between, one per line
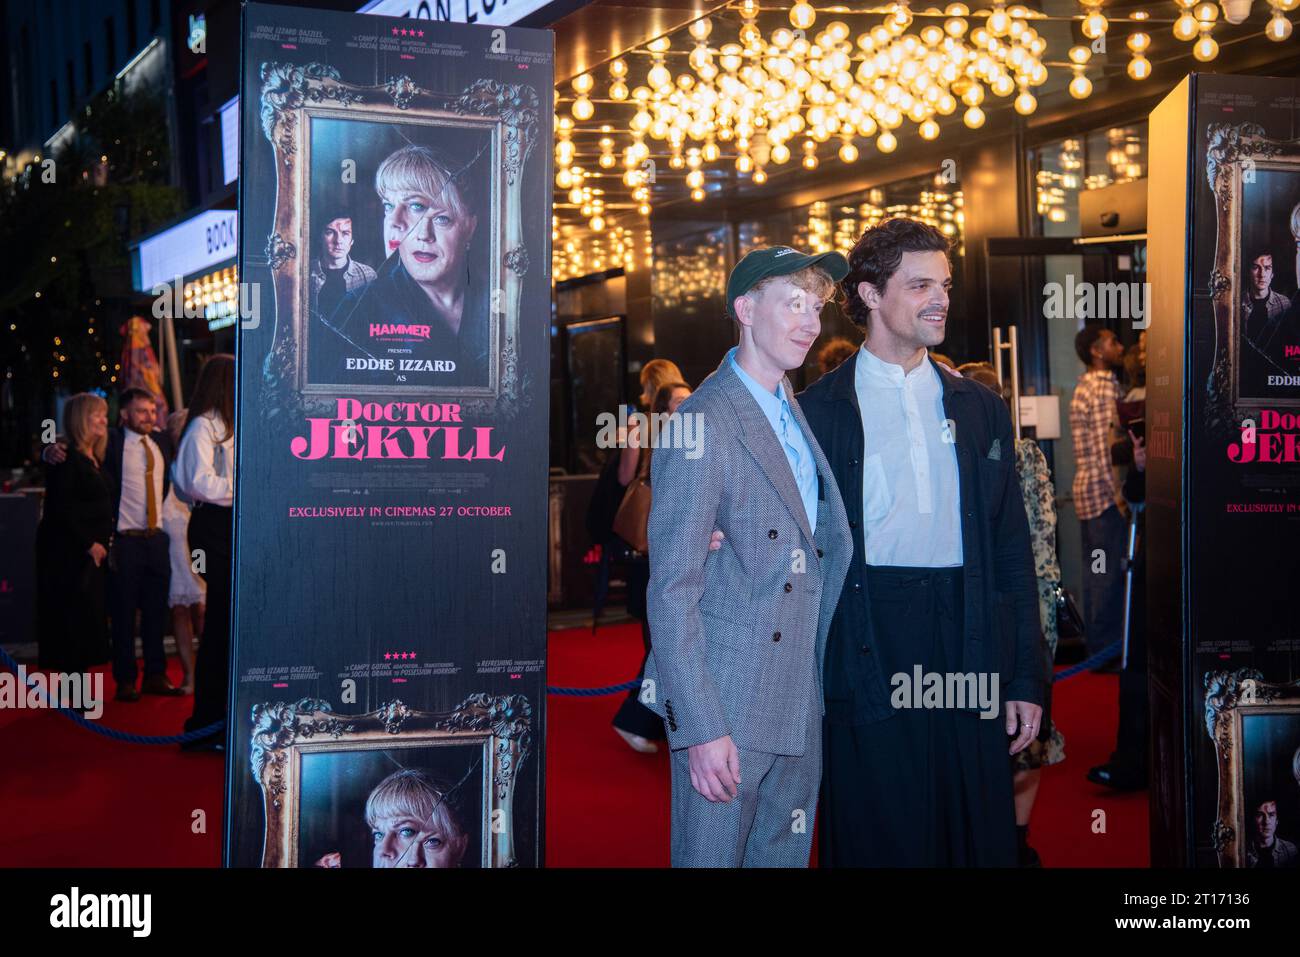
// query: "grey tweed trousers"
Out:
[769,823]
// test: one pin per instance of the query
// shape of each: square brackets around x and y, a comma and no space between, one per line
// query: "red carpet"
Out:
[72,798]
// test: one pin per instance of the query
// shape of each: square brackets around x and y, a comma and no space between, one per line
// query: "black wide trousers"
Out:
[927,787]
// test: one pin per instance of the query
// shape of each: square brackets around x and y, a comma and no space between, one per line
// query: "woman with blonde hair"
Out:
[660,379]
[72,544]
[635,723]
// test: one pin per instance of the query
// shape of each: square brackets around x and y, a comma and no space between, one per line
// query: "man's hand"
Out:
[332,859]
[716,541]
[715,768]
[1023,716]
[1139,452]
[54,453]
[98,552]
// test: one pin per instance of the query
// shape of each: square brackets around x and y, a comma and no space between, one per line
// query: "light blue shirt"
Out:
[798,452]
[911,508]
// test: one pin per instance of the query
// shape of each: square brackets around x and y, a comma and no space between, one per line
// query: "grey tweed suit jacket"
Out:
[739,634]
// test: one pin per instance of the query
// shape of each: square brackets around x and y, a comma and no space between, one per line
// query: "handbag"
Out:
[1069,620]
[632,519]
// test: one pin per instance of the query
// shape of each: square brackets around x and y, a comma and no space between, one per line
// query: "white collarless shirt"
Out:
[132,511]
[910,491]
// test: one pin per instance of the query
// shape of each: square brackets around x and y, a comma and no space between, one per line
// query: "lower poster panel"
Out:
[392,788]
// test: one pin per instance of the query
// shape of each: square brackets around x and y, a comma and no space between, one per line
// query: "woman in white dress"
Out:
[188,590]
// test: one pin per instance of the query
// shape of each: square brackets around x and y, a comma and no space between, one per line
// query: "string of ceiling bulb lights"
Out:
[763,100]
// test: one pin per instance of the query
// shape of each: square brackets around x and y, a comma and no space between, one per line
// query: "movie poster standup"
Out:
[1223,475]
[388,666]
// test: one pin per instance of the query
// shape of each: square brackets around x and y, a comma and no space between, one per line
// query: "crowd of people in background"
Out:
[135,540]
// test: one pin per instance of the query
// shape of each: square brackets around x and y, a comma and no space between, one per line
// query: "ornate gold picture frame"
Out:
[1232,700]
[1236,155]
[499,727]
[292,98]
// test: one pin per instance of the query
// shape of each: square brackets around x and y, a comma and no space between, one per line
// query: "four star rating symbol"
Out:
[399,655]
[408,33]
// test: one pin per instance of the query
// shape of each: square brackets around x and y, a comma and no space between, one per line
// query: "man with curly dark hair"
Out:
[941,582]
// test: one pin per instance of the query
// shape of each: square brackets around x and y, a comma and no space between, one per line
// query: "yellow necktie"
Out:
[150,503]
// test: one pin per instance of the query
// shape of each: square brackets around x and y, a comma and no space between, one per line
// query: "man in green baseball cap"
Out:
[755,613]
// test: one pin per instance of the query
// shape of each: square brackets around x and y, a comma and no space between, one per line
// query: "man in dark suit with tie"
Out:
[137,464]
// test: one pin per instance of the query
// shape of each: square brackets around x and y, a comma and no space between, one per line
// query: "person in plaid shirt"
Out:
[1093,415]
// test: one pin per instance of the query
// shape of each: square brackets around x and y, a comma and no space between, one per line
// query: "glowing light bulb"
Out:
[701,29]
[998,22]
[1094,25]
[618,69]
[1080,54]
[597,223]
[697,195]
[886,142]
[929,130]
[780,154]
[1139,68]
[583,83]
[848,153]
[1185,26]
[1279,28]
[564,179]
[1026,104]
[1139,42]
[1206,12]
[973,118]
[1080,88]
[1206,48]
[583,109]
[760,177]
[802,15]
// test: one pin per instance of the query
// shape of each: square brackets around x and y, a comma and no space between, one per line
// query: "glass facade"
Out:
[1092,160]
[836,224]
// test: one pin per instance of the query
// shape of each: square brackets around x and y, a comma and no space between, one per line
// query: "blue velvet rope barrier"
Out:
[594,692]
[1106,654]
[1110,651]
[113,733]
